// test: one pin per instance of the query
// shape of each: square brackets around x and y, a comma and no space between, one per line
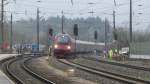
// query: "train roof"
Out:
[89,43]
[62,34]
[80,41]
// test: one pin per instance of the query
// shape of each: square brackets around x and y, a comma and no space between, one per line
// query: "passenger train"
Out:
[63,45]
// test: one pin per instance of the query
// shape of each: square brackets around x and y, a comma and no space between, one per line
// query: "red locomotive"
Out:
[62,45]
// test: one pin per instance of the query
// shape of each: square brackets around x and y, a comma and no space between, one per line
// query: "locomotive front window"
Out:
[63,39]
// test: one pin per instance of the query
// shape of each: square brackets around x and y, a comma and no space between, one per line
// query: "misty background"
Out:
[89,17]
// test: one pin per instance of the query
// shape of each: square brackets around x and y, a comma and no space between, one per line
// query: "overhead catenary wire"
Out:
[80,11]
[71,12]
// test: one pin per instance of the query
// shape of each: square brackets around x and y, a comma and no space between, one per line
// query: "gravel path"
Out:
[83,74]
[41,66]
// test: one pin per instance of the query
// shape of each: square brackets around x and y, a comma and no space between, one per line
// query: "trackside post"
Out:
[75,32]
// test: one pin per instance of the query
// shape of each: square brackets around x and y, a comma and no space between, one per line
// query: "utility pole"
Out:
[105,38]
[130,26]
[2,25]
[11,33]
[88,34]
[115,32]
[38,29]
[114,19]
[91,12]
[62,22]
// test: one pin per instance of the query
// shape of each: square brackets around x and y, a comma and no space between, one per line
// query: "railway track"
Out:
[118,64]
[26,68]
[6,69]
[107,74]
[18,79]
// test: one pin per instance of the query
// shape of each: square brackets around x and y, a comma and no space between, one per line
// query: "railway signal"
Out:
[51,32]
[115,35]
[95,35]
[50,41]
[75,30]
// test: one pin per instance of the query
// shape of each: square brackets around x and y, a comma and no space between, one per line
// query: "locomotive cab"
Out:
[62,45]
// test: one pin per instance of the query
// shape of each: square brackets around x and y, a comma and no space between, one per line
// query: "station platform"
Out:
[140,56]
[3,56]
[3,78]
[132,56]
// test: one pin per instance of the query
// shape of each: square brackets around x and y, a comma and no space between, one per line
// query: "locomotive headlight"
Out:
[68,47]
[55,46]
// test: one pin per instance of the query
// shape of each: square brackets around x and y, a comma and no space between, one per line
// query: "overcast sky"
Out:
[25,9]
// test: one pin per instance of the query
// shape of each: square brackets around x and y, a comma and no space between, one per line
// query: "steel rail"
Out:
[111,75]
[26,68]
[118,64]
